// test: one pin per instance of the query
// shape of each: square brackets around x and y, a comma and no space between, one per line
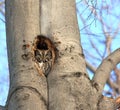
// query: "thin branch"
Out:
[2,20]
[103,71]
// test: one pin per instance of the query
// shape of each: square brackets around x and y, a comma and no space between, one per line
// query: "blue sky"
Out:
[4,76]
[92,32]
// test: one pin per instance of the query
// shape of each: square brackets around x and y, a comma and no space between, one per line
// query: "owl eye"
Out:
[36,52]
[38,56]
[48,55]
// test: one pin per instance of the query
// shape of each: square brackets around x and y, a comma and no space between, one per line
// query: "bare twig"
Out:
[2,20]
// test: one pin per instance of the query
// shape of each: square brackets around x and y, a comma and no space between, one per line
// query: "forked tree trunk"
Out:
[67,87]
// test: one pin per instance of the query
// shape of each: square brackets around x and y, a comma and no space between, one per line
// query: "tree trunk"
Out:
[27,91]
[67,82]
[67,86]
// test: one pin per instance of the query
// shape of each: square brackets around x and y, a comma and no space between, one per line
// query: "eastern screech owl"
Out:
[44,59]
[44,54]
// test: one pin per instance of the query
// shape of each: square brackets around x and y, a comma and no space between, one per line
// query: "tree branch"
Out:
[107,104]
[90,67]
[103,71]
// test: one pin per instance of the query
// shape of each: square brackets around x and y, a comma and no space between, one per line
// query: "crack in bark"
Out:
[75,74]
[95,85]
[99,100]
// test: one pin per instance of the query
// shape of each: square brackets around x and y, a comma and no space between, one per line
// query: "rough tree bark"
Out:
[27,89]
[67,86]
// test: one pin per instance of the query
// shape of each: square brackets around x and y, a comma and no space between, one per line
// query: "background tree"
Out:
[100,26]
[75,81]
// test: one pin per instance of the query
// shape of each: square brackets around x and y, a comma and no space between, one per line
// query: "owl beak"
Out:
[41,64]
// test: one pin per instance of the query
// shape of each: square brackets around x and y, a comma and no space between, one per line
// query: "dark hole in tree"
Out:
[42,46]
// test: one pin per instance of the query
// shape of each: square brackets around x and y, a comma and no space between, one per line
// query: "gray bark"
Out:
[28,91]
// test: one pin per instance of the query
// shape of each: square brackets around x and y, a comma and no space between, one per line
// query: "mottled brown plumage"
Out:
[44,54]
